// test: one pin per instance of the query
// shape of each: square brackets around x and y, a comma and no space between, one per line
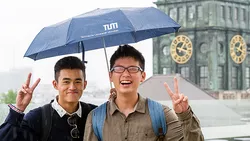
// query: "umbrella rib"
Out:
[68,31]
[133,33]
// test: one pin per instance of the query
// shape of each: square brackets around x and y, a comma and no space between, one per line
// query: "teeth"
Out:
[125,81]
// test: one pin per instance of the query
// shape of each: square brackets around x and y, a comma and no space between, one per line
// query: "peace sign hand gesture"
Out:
[25,94]
[180,102]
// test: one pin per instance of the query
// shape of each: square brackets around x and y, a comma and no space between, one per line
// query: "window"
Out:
[248,48]
[222,12]
[172,13]
[230,13]
[165,50]
[204,48]
[220,49]
[204,77]
[180,13]
[244,14]
[236,13]
[234,78]
[166,71]
[220,77]
[247,77]
[190,13]
[185,72]
[199,12]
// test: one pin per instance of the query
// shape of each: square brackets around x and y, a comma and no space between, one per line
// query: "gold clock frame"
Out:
[237,39]
[186,47]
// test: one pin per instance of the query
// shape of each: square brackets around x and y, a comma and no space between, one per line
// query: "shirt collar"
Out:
[139,107]
[61,112]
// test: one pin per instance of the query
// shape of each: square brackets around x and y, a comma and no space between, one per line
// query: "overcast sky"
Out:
[22,20]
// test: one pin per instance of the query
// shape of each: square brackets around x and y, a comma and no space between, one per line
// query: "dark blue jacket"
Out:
[18,127]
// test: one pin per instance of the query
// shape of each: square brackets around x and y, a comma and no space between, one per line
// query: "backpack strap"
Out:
[98,117]
[158,118]
[86,108]
[47,113]
[155,111]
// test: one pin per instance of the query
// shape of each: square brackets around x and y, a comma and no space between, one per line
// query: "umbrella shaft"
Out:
[104,47]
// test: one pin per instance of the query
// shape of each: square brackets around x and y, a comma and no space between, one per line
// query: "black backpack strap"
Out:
[47,113]
[86,107]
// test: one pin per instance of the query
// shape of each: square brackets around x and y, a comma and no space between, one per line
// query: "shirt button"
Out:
[126,121]
[126,138]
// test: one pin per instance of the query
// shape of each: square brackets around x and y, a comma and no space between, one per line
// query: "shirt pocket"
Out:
[145,135]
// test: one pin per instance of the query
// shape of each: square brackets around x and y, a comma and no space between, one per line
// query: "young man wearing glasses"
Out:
[127,114]
[68,114]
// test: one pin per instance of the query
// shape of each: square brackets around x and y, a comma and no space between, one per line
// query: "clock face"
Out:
[181,49]
[238,50]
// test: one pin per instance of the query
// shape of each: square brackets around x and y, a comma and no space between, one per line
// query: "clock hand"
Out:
[181,49]
[239,49]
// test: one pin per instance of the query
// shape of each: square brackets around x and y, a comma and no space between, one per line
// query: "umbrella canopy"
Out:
[100,28]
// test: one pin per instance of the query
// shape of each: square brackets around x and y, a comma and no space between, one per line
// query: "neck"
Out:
[126,102]
[68,107]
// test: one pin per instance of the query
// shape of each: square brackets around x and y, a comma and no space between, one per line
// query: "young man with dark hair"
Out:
[63,119]
[127,115]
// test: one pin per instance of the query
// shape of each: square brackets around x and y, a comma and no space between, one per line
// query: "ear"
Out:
[54,82]
[110,77]
[143,76]
[84,84]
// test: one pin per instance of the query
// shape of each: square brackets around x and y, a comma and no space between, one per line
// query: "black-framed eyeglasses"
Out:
[121,69]
[72,122]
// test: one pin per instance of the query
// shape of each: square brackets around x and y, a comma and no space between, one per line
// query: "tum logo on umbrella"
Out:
[110,26]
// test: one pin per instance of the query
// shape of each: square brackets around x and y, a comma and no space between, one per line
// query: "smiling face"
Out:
[125,82]
[70,85]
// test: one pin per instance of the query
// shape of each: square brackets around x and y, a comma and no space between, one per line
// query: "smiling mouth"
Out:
[125,82]
[72,92]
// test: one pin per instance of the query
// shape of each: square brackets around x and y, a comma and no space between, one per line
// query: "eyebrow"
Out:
[70,79]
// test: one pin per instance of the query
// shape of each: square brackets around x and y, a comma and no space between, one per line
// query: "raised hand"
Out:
[112,93]
[180,102]
[25,94]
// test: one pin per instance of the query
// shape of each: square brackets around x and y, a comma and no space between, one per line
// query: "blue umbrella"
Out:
[100,28]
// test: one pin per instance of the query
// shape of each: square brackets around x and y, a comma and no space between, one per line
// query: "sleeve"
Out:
[191,126]
[89,134]
[20,127]
[174,128]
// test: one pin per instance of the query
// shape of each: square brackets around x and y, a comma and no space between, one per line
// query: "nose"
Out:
[72,86]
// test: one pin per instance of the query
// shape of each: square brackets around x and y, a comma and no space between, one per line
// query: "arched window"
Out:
[220,49]
[165,50]
[203,48]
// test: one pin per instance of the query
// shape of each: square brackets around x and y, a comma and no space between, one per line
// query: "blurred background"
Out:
[209,56]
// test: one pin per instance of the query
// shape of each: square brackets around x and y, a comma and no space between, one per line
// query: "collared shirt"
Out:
[137,125]
[61,112]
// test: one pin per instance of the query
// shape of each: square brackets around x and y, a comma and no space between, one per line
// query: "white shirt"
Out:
[61,112]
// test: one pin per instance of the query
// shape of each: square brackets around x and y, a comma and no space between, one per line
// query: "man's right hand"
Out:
[25,94]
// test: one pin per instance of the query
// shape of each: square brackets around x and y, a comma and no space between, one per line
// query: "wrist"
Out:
[16,108]
[20,107]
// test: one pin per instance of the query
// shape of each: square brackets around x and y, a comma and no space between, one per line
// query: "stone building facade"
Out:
[211,46]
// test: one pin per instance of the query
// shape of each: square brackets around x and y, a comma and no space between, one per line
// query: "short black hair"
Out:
[69,62]
[127,51]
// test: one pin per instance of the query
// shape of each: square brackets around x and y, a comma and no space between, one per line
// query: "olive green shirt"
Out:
[137,125]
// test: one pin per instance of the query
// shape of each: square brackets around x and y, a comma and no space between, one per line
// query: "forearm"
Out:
[9,130]
[12,130]
[191,126]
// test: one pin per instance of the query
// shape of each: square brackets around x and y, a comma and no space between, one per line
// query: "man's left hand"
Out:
[180,101]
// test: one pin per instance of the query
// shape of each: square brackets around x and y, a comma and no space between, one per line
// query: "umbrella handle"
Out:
[83,52]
